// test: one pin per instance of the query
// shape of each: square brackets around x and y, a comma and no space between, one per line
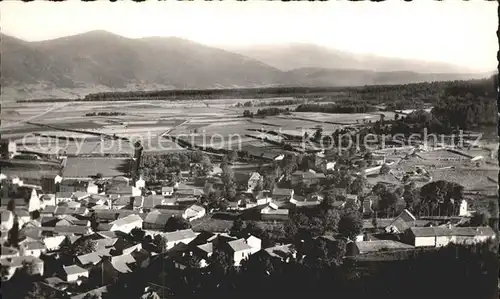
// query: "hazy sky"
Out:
[458,32]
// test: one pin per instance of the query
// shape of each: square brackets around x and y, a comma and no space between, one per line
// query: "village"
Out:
[82,232]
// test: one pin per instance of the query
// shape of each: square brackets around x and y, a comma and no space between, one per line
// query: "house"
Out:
[74,272]
[80,196]
[92,188]
[464,210]
[96,199]
[185,191]
[193,212]
[7,220]
[74,185]
[65,220]
[123,263]
[8,252]
[126,224]
[63,196]
[404,221]
[140,183]
[32,248]
[308,177]
[121,190]
[301,201]
[167,191]
[18,201]
[17,262]
[63,211]
[282,194]
[273,213]
[48,200]
[151,201]
[281,252]
[48,211]
[23,216]
[71,204]
[34,202]
[181,236]
[239,250]
[365,247]
[442,236]
[254,179]
[120,202]
[88,260]
[255,243]
[53,243]
[157,219]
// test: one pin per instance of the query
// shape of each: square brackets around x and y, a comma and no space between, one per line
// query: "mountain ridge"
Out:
[109,61]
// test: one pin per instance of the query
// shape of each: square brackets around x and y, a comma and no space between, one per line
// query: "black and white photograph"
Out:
[249,149]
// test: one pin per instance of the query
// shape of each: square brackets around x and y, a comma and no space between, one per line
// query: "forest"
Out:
[156,168]
[405,96]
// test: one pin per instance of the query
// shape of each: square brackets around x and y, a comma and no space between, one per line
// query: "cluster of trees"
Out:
[466,111]
[271,111]
[286,102]
[161,167]
[245,104]
[336,108]
[105,113]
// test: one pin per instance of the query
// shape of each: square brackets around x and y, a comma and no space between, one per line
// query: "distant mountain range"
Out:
[109,61]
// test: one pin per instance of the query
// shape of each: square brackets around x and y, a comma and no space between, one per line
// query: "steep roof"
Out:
[238,245]
[74,269]
[197,208]
[127,220]
[90,258]
[121,262]
[180,235]
[156,217]
[279,251]
[152,201]
[282,192]
[377,245]
[453,231]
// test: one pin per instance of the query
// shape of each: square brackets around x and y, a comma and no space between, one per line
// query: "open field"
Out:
[86,167]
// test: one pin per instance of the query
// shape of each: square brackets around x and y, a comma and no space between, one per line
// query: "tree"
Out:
[137,234]
[358,185]
[331,220]
[98,175]
[175,223]
[410,196]
[480,218]
[350,224]
[259,186]
[84,247]
[11,205]
[388,200]
[375,221]
[227,176]
[318,134]
[220,262]
[237,227]
[441,197]
[232,156]
[13,235]
[269,182]
[328,201]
